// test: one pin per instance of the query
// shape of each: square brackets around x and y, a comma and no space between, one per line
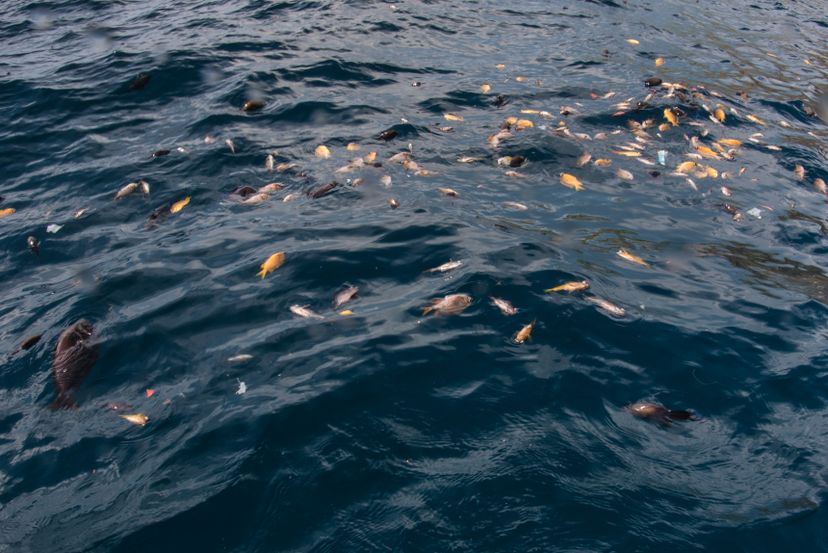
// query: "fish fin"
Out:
[63,401]
[261,273]
[428,309]
[681,415]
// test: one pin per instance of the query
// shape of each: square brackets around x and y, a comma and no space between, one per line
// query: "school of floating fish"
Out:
[705,147]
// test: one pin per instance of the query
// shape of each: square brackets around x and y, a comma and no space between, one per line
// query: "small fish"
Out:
[346,312]
[485,88]
[304,312]
[231,145]
[820,186]
[583,159]
[33,244]
[623,174]
[712,172]
[505,306]
[282,167]
[726,192]
[707,152]
[256,199]
[515,205]
[658,413]
[323,190]
[345,296]
[448,305]
[161,153]
[270,162]
[732,142]
[525,333]
[53,229]
[385,180]
[468,159]
[573,286]
[271,264]
[270,188]
[241,358]
[179,205]
[685,167]
[126,190]
[756,120]
[633,41]
[393,203]
[139,419]
[291,197]
[445,267]
[452,117]
[799,171]
[627,153]
[449,192]
[571,181]
[651,82]
[624,254]
[607,306]
[79,213]
[145,187]
[253,105]
[659,62]
[352,147]
[670,116]
[370,157]
[602,162]
[322,151]
[500,66]
[523,124]
[719,115]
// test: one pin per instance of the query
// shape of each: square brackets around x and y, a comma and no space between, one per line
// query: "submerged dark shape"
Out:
[517,161]
[158,215]
[139,82]
[499,101]
[659,413]
[323,190]
[387,135]
[161,153]
[34,245]
[75,354]
[253,105]
[30,341]
[652,81]
[244,191]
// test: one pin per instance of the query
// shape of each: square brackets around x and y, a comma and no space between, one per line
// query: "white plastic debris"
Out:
[53,228]
[242,388]
[755,212]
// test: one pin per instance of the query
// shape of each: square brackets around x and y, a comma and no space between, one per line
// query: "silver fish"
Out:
[608,306]
[230,145]
[448,305]
[126,190]
[505,306]
[241,358]
[304,312]
[446,267]
[145,187]
[515,205]
[291,197]
[270,162]
[345,296]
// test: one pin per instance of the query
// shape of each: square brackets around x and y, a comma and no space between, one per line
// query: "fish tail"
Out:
[681,415]
[262,273]
[428,309]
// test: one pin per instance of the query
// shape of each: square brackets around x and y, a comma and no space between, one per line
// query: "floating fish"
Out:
[452,117]
[515,205]
[256,199]
[820,186]
[370,157]
[352,147]
[149,392]
[139,419]
[524,333]
[304,312]
[659,62]
[282,167]
[230,145]
[53,229]
[485,88]
[623,174]
[271,264]
[523,124]
[607,306]
[571,181]
[293,196]
[686,166]
[583,159]
[624,254]
[270,188]
[732,142]
[388,134]
[500,66]
[270,162]
[756,120]
[393,203]
[799,171]
[253,105]
[345,296]
[179,205]
[627,153]
[602,162]
[145,187]
[346,312]
[658,413]
[505,306]
[449,192]
[29,342]
[446,267]
[707,152]
[323,190]
[633,41]
[448,305]
[322,151]
[241,358]
[126,190]
[468,159]
[385,180]
[574,286]
[670,116]
[79,213]
[719,115]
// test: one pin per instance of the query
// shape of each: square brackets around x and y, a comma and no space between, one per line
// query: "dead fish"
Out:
[253,105]
[393,203]
[658,413]
[33,244]
[74,356]
[385,180]
[241,358]
[138,419]
[468,159]
[304,312]
[512,161]
[244,191]
[230,145]
[624,254]
[820,186]
[270,188]
[282,167]
[271,264]
[505,306]
[126,190]
[270,162]
[448,305]
[161,153]
[571,181]
[158,215]
[388,134]
[256,199]
[583,159]
[515,205]
[345,296]
[799,171]
[139,82]
[179,205]
[145,187]
[574,286]
[652,81]
[449,192]
[525,333]
[445,267]
[607,306]
[323,190]
[623,174]
[293,196]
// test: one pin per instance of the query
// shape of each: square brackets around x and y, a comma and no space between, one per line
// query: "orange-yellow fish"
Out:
[707,152]
[322,151]
[352,146]
[6,212]
[712,172]
[686,166]
[179,205]
[664,127]
[500,66]
[670,116]
[799,171]
[659,62]
[138,418]
[719,114]
[756,120]
[574,286]
[630,257]
[603,162]
[732,142]
[627,153]
[633,41]
[522,124]
[571,181]
[449,192]
[370,157]
[452,117]
[485,88]
[273,262]
[524,333]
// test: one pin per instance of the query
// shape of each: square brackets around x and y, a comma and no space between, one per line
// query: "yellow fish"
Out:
[346,312]
[179,205]
[352,146]
[756,120]
[633,41]
[485,88]
[574,286]
[449,192]
[664,127]
[659,62]
[627,153]
[138,418]
[525,333]
[500,66]
[273,262]
[571,181]
[602,162]
[370,157]
[686,166]
[322,151]
[6,212]
[452,117]
[732,142]
[712,172]
[510,120]
[524,124]
[670,116]
[707,152]
[719,114]
[630,257]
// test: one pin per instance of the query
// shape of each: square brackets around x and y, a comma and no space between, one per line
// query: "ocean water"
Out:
[387,429]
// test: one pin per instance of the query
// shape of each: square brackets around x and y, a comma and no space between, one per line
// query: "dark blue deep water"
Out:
[387,430]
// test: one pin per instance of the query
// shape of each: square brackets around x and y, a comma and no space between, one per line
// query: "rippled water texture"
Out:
[387,430]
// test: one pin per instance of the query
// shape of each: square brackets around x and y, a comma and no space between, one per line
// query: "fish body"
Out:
[524,333]
[270,188]
[624,254]
[270,162]
[322,151]
[448,305]
[271,264]
[256,199]
[323,190]
[241,358]
[608,306]
[799,171]
[623,174]
[393,203]
[253,105]
[505,306]
[449,192]
[138,419]
[304,312]
[571,181]
[145,187]
[74,356]
[446,267]
[574,286]
[583,159]
[231,145]
[670,116]
[345,296]
[658,413]
[126,190]
[179,205]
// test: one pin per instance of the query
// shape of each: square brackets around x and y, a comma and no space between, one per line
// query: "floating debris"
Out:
[799,171]
[253,105]
[30,341]
[149,392]
[230,145]
[449,192]
[53,229]
[242,389]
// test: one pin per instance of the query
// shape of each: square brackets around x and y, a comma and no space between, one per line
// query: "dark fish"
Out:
[161,153]
[652,81]
[139,82]
[323,190]
[387,134]
[29,342]
[159,215]
[74,357]
[499,101]
[659,413]
[33,244]
[253,105]
[517,161]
